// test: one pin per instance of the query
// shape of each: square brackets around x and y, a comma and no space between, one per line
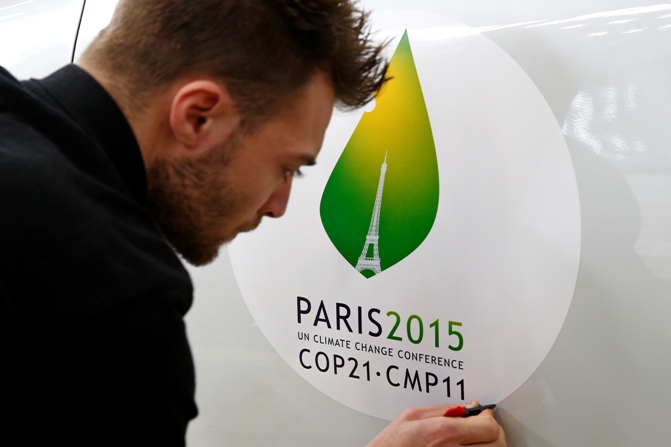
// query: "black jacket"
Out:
[94,350]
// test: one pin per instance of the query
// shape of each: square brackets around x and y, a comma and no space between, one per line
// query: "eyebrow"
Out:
[307,160]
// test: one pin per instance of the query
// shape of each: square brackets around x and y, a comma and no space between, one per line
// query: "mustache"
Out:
[250,225]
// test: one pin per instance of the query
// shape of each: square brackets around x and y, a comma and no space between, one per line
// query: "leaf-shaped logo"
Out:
[382,198]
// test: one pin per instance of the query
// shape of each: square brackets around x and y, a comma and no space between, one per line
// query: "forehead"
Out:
[313,104]
[305,118]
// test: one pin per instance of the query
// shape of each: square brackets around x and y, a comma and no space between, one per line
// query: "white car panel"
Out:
[604,68]
[37,36]
[97,15]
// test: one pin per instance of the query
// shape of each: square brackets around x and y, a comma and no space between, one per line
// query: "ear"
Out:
[202,115]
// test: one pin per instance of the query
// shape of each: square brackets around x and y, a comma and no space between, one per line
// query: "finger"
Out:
[499,442]
[481,429]
[416,414]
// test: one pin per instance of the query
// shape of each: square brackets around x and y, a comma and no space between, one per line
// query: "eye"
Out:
[292,173]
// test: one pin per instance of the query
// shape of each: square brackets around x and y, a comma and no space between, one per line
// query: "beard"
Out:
[194,206]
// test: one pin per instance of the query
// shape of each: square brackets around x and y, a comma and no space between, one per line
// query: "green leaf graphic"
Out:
[390,159]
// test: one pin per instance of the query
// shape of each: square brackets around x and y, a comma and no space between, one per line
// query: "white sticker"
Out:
[424,260]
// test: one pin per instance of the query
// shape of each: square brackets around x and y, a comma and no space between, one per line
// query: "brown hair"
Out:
[262,50]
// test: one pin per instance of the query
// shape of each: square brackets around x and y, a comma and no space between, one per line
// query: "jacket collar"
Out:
[89,104]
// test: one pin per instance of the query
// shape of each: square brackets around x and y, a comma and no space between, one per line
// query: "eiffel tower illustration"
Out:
[366,262]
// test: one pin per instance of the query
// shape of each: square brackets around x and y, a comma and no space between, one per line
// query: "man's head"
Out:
[228,98]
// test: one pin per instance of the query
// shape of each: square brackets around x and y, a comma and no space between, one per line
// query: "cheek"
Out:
[260,189]
[253,176]
[249,197]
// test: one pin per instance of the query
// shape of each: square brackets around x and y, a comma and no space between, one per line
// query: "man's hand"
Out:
[426,427]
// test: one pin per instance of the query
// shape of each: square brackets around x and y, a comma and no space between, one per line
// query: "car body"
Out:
[604,69]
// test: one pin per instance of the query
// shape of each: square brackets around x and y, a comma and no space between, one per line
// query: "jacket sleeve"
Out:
[121,377]
[92,299]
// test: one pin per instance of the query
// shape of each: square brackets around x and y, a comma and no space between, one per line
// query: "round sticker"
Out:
[431,255]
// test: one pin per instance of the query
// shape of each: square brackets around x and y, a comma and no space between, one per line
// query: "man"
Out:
[184,121]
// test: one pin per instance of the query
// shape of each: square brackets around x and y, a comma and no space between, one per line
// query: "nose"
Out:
[276,204]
